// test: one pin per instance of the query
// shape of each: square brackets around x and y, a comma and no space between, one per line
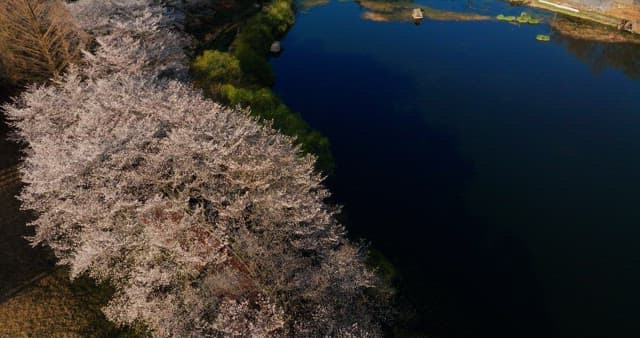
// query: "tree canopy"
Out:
[39,39]
[206,222]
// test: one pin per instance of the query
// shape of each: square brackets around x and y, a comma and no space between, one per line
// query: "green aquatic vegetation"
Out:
[523,18]
[543,37]
[526,18]
[508,18]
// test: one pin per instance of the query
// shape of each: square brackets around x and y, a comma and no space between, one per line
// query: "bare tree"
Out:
[39,38]
[207,223]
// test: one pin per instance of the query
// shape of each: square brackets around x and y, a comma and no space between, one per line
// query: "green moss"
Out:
[526,18]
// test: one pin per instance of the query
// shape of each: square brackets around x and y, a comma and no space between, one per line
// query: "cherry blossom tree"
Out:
[206,222]
[135,36]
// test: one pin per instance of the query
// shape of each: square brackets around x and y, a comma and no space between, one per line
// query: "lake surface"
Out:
[501,175]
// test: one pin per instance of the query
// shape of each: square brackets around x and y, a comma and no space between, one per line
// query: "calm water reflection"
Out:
[499,173]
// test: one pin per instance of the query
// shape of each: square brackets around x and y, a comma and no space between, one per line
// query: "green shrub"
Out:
[255,67]
[251,45]
[281,16]
[243,77]
[266,106]
[260,99]
[215,66]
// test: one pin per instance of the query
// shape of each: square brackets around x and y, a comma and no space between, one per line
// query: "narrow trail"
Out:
[20,264]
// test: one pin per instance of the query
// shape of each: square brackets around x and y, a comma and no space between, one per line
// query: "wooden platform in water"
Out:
[416,14]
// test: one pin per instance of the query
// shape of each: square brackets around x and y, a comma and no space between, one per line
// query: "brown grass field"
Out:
[52,306]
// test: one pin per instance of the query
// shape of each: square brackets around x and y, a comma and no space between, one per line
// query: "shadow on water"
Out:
[403,185]
[19,262]
[601,56]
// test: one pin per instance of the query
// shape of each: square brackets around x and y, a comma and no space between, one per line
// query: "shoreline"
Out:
[612,16]
[239,74]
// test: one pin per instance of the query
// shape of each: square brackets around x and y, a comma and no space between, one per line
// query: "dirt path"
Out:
[19,262]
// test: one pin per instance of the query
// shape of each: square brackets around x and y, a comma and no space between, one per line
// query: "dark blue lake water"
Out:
[501,175]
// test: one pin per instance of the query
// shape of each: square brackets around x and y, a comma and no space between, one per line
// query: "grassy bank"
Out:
[239,74]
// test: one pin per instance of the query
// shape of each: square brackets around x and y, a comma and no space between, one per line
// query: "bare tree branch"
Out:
[39,39]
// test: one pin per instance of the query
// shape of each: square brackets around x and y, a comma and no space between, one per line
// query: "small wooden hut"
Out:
[416,14]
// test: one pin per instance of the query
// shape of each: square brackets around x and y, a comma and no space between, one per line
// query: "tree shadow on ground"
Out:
[19,262]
